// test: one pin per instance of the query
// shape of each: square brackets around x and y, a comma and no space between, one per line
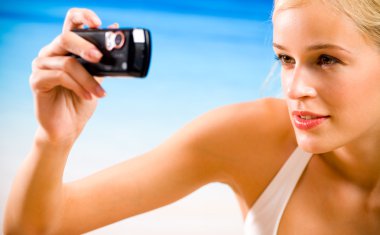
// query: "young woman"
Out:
[305,164]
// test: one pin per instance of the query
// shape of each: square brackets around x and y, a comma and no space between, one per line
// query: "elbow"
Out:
[16,229]
[19,228]
[10,226]
[26,231]
[16,222]
[13,229]
[7,230]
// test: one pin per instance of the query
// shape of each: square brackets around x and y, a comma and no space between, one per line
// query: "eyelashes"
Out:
[321,60]
[327,60]
[284,59]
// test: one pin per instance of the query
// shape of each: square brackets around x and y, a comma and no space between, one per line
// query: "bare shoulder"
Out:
[247,142]
[240,126]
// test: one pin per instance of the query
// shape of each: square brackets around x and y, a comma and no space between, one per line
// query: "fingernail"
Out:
[94,53]
[88,96]
[99,91]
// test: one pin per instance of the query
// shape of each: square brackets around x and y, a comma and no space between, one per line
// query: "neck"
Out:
[358,163]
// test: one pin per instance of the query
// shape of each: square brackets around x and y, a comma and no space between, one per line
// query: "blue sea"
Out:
[206,54]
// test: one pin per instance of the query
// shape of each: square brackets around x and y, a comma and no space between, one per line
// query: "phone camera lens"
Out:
[118,40]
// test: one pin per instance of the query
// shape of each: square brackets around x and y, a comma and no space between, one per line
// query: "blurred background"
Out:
[206,54]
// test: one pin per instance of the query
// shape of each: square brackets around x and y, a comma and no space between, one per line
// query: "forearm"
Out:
[36,201]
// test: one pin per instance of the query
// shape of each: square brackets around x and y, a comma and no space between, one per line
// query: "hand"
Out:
[65,93]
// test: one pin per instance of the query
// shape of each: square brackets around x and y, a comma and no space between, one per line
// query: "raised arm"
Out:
[65,98]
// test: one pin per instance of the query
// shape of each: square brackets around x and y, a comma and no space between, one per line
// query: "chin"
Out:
[312,144]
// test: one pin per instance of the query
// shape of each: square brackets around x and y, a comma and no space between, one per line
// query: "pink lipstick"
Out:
[304,120]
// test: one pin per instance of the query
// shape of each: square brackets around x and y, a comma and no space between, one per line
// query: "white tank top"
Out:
[265,215]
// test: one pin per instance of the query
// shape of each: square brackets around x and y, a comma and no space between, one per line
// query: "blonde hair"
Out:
[364,13]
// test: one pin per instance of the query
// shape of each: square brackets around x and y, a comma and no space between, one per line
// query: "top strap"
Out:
[265,215]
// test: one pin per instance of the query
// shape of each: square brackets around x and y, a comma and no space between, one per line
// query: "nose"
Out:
[298,84]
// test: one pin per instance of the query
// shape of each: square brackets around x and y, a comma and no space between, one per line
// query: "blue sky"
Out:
[206,54]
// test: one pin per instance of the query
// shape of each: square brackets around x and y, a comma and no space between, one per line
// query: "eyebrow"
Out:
[316,47]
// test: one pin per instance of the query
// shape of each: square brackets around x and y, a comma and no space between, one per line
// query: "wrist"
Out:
[42,138]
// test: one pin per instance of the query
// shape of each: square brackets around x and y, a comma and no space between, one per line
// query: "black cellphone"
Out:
[126,51]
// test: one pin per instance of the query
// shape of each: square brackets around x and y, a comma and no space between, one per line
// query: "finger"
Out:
[114,26]
[78,17]
[74,69]
[69,42]
[44,81]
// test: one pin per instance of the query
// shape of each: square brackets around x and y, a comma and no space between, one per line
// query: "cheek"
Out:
[360,89]
[355,98]
[368,97]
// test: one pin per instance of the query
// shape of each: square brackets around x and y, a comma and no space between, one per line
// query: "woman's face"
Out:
[330,77]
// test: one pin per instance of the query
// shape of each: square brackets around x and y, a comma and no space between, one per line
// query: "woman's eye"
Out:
[285,59]
[327,60]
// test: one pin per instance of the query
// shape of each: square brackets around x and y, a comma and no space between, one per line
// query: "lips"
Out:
[305,120]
